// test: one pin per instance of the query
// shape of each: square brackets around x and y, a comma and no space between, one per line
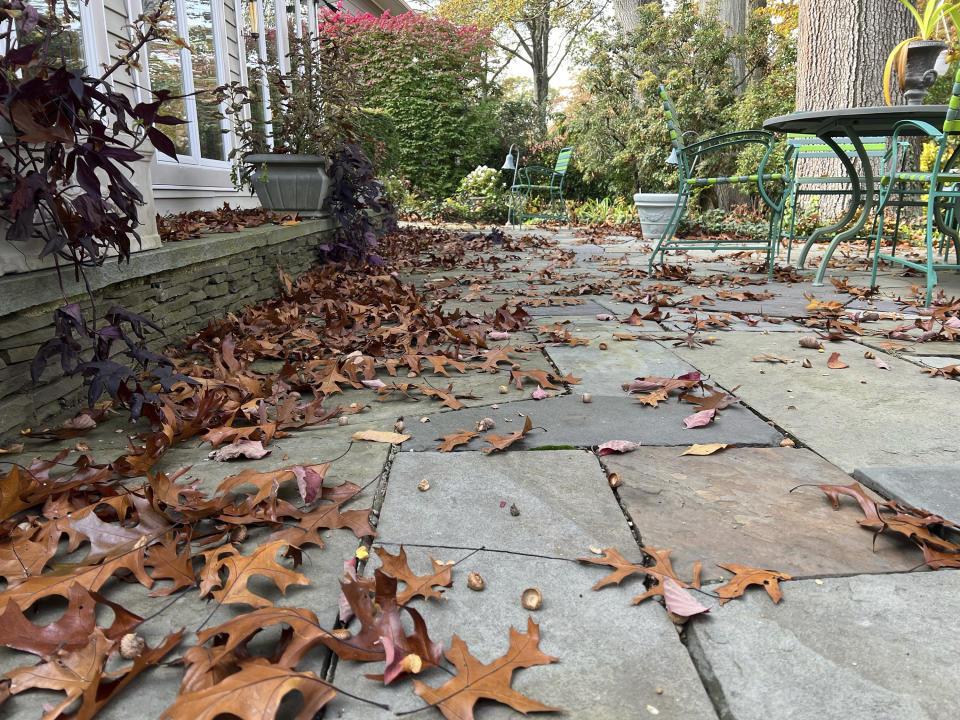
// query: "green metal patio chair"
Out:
[540,179]
[938,191]
[808,147]
[687,156]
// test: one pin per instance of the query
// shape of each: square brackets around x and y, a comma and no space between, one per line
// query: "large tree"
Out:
[842,48]
[539,33]
[841,51]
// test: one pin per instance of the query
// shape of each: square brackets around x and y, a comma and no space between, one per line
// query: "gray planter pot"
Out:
[291,183]
[919,73]
[654,211]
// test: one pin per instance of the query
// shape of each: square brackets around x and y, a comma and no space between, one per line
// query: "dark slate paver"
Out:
[569,421]
[590,307]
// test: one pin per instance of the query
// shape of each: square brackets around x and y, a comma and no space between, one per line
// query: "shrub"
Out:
[427,74]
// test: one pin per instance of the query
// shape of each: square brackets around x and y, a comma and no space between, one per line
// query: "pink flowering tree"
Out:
[426,76]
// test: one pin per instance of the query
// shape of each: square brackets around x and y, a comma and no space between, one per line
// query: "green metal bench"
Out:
[686,157]
[808,147]
[540,179]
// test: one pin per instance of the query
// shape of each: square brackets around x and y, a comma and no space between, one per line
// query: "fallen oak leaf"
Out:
[679,601]
[380,436]
[240,568]
[254,693]
[855,490]
[616,446]
[707,449]
[745,576]
[700,419]
[835,363]
[461,437]
[653,398]
[475,680]
[502,442]
[417,585]
[250,449]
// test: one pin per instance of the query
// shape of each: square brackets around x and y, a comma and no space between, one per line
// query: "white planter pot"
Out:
[654,211]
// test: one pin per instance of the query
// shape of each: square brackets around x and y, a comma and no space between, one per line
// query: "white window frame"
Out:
[190,102]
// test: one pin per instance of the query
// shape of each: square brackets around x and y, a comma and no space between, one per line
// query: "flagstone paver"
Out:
[854,417]
[613,657]
[562,496]
[569,421]
[735,506]
[876,642]
[936,489]
[856,648]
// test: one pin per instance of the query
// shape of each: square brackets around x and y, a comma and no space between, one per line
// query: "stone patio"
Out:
[862,630]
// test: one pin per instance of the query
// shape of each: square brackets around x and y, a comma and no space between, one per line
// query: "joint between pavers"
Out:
[711,683]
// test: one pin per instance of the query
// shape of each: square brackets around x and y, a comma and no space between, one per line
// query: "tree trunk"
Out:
[841,50]
[539,28]
[733,14]
[625,11]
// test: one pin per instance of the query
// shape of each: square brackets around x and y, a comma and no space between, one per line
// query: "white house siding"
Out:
[185,186]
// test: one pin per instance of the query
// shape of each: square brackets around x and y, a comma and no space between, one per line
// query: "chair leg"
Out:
[793,220]
[671,228]
[931,273]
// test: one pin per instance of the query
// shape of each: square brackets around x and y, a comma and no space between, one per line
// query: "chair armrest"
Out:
[742,137]
[926,128]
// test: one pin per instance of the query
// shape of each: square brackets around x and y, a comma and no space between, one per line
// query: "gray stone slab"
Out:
[736,507]
[935,361]
[894,417]
[590,307]
[564,501]
[569,421]
[936,489]
[612,657]
[858,648]
[604,371]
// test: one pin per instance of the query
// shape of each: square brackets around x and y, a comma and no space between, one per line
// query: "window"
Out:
[74,44]
[184,72]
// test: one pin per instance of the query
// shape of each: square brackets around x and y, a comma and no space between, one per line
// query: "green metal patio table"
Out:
[853,123]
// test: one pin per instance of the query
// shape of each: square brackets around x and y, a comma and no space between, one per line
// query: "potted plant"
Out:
[314,110]
[915,57]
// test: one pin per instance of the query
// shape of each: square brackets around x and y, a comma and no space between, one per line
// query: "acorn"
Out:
[806,363]
[412,664]
[602,346]
[614,480]
[423,485]
[787,442]
[475,582]
[341,634]
[586,397]
[531,599]
[485,424]
[869,355]
[131,646]
[504,389]
[398,426]
[343,421]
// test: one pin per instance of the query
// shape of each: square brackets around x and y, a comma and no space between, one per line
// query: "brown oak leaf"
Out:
[240,568]
[461,437]
[253,693]
[417,585]
[502,442]
[745,576]
[491,681]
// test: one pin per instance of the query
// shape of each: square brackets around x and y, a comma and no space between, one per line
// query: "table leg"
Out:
[866,209]
[855,198]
